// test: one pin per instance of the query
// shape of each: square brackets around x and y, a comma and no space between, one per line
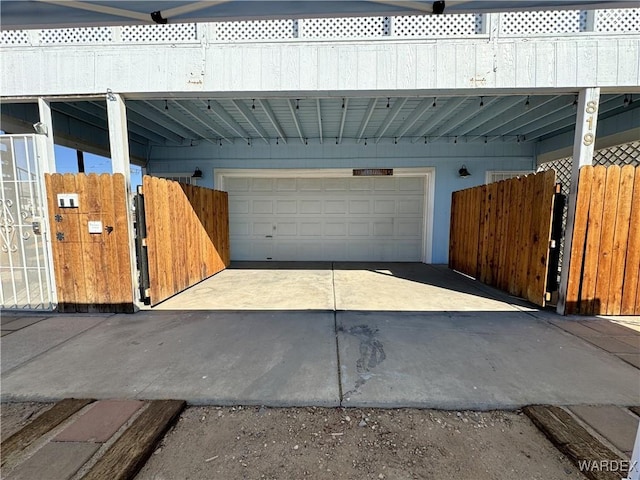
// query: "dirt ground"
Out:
[320,443]
[14,416]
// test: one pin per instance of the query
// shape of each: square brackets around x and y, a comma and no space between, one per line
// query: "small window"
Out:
[496,176]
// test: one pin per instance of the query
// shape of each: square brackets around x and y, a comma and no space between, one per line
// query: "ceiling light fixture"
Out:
[481,101]
[343,103]
[527,104]
[388,101]
[208,104]
[253,106]
[575,102]
[166,105]
[365,142]
[434,102]
[626,101]
[455,140]
[298,104]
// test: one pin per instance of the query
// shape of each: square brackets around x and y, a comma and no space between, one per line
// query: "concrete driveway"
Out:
[358,335]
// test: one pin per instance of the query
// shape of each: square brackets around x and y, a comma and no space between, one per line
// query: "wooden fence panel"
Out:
[187,235]
[500,234]
[605,254]
[92,270]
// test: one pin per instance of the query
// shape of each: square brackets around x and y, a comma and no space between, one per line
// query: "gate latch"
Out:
[37,227]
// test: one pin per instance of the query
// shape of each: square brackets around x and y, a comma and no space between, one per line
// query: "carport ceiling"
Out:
[345,120]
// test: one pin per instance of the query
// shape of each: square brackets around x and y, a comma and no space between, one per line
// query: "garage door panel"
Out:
[335,229]
[362,207]
[359,229]
[238,206]
[284,207]
[262,185]
[310,207]
[311,229]
[287,229]
[384,206]
[330,219]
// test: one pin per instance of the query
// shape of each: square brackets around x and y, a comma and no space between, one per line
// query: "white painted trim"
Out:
[429,174]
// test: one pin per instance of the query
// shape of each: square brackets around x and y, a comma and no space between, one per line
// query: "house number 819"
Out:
[592,107]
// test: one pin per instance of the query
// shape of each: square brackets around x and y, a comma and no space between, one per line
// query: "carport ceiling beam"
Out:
[469,112]
[345,107]
[367,117]
[266,107]
[98,118]
[201,118]
[251,119]
[162,114]
[391,116]
[508,119]
[186,123]
[219,111]
[417,113]
[292,108]
[417,6]
[319,119]
[444,111]
[503,105]
[560,109]
[152,115]
[146,123]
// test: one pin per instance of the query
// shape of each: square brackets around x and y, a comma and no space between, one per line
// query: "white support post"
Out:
[583,146]
[119,144]
[49,164]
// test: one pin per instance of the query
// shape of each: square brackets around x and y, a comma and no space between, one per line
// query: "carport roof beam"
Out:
[367,117]
[201,118]
[345,107]
[445,110]
[292,108]
[148,111]
[253,121]
[189,126]
[219,111]
[469,112]
[417,113]
[505,104]
[391,116]
[266,107]
[319,119]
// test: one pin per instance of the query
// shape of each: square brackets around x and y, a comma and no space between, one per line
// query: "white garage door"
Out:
[349,219]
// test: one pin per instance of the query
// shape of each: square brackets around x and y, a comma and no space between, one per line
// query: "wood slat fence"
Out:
[605,251]
[500,234]
[187,235]
[92,270]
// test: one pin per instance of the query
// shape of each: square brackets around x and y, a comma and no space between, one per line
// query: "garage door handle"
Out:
[268,236]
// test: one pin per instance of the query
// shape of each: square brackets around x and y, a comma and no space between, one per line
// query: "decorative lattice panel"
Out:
[618,20]
[14,37]
[171,33]
[437,25]
[527,23]
[257,30]
[76,35]
[356,27]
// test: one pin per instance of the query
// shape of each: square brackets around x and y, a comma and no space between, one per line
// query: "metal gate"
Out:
[25,254]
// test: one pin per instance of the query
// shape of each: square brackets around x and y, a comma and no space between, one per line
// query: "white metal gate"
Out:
[25,258]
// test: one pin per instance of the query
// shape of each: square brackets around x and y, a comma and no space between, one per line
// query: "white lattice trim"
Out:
[62,36]
[528,23]
[14,37]
[352,27]
[172,33]
[618,20]
[256,30]
[437,25]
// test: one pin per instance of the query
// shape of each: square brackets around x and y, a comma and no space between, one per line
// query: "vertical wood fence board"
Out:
[526,237]
[594,230]
[186,234]
[620,239]
[578,244]
[632,266]
[606,242]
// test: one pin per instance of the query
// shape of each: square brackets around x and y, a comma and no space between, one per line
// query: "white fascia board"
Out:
[458,66]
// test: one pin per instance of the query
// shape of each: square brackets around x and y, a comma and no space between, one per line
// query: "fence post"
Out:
[583,147]
[119,144]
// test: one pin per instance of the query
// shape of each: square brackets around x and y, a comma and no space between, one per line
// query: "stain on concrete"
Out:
[371,354]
